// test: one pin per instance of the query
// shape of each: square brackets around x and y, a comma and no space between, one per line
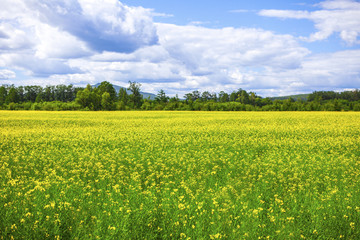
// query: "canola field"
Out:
[179,175]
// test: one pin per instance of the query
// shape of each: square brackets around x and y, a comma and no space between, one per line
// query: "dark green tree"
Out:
[39,97]
[21,92]
[174,99]
[233,96]
[161,97]
[123,96]
[135,97]
[195,95]
[106,101]
[206,96]
[60,93]
[3,94]
[242,96]
[31,92]
[13,96]
[49,93]
[107,87]
[87,98]
[188,97]
[223,97]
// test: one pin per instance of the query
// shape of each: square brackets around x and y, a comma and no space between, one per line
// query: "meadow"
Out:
[179,175]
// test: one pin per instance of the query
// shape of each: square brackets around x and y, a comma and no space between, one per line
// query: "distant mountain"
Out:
[303,97]
[144,94]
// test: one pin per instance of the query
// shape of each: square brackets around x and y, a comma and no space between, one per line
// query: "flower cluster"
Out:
[179,175]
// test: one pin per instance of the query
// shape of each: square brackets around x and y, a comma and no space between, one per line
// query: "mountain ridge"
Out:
[145,95]
[152,96]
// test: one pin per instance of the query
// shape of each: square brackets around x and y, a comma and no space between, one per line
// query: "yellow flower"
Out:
[352,225]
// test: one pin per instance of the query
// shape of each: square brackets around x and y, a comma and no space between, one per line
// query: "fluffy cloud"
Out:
[193,57]
[6,74]
[204,50]
[89,41]
[39,37]
[330,71]
[102,24]
[336,16]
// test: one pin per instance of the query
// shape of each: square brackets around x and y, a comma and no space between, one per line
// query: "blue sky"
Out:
[271,47]
[216,13]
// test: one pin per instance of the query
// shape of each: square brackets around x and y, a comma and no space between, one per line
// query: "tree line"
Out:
[105,97]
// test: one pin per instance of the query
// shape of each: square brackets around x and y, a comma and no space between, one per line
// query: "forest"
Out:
[104,97]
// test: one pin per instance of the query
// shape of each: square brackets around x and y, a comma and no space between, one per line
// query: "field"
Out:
[179,175]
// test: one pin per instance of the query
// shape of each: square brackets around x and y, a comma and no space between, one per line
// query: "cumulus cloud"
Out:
[336,16]
[204,50]
[39,36]
[226,59]
[194,57]
[102,24]
[330,71]
[6,74]
[89,41]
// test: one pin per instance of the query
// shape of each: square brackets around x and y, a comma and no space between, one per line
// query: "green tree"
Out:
[70,93]
[161,97]
[206,96]
[60,93]
[233,96]
[223,97]
[106,101]
[21,92]
[31,93]
[49,93]
[123,97]
[3,94]
[107,87]
[135,96]
[196,95]
[242,96]
[252,98]
[13,96]
[87,98]
[39,98]
[174,99]
[188,97]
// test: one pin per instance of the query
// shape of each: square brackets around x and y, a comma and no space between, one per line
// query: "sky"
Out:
[273,48]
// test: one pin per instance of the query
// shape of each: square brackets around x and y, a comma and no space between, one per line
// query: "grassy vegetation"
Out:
[179,175]
[296,97]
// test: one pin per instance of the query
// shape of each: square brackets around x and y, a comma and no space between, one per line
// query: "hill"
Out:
[144,94]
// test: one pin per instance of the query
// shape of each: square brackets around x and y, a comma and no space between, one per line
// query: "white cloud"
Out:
[331,71]
[39,36]
[163,15]
[339,4]
[228,58]
[205,50]
[102,24]
[13,38]
[198,23]
[89,41]
[34,66]
[6,74]
[285,13]
[54,43]
[191,57]
[337,16]
[240,11]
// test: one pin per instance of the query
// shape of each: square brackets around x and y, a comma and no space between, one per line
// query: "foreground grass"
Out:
[179,175]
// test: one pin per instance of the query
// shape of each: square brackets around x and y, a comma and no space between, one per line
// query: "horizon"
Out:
[183,97]
[274,49]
